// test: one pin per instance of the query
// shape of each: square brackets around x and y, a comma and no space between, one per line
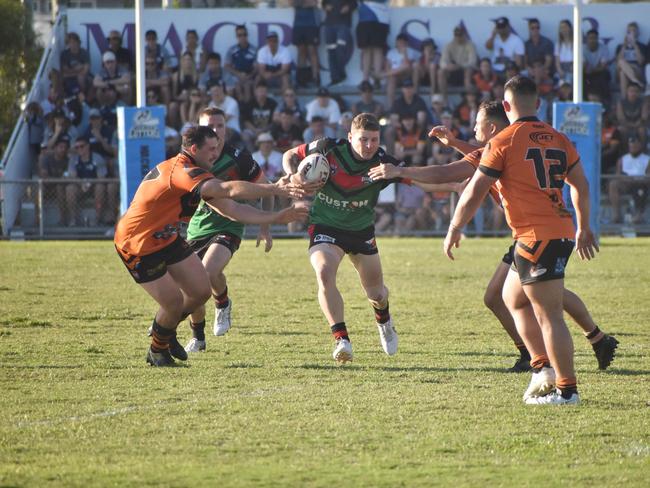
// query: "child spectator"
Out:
[317,130]
[157,79]
[286,133]
[290,102]
[184,82]
[410,143]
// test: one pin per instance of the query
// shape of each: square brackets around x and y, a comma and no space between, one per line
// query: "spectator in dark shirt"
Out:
[596,66]
[257,115]
[410,103]
[157,79]
[213,74]
[153,49]
[75,66]
[338,36]
[100,137]
[122,55]
[240,64]
[184,82]
[538,47]
[632,113]
[367,104]
[285,132]
[55,164]
[306,38]
[410,142]
[611,145]
[428,66]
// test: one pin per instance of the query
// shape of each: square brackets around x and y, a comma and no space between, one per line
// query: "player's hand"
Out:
[443,134]
[286,188]
[586,245]
[309,188]
[384,172]
[265,235]
[452,239]
[297,211]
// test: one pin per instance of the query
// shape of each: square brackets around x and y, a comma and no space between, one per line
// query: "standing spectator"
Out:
[634,163]
[306,38]
[157,79]
[193,47]
[372,32]
[274,63]
[410,142]
[153,49]
[401,64]
[184,82]
[458,62]
[286,133]
[596,60]
[428,66]
[75,66]
[324,106]
[257,115]
[240,63]
[484,79]
[290,102]
[111,75]
[338,36]
[269,160]
[564,52]
[317,129]
[367,104]
[123,56]
[213,73]
[221,100]
[538,47]
[632,113]
[630,58]
[505,46]
[55,164]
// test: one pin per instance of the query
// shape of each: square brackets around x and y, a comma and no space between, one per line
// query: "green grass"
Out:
[267,406]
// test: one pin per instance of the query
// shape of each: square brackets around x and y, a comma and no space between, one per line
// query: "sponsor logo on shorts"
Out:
[537,272]
[372,242]
[560,264]
[324,238]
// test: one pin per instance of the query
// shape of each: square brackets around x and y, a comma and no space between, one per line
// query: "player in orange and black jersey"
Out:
[531,160]
[147,236]
[491,119]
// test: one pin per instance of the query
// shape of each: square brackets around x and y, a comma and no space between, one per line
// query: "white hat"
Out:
[264,137]
[108,56]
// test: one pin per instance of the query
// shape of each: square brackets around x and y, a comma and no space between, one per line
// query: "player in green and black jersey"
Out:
[342,222]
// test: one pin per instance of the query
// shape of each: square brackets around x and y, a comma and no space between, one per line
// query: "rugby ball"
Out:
[315,168]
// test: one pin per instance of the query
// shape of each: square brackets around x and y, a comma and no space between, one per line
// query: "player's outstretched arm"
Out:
[447,138]
[249,215]
[447,173]
[468,204]
[586,245]
[244,190]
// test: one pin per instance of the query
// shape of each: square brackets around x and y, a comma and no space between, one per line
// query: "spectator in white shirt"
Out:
[274,63]
[268,158]
[219,99]
[505,46]
[324,106]
[564,52]
[634,163]
[401,63]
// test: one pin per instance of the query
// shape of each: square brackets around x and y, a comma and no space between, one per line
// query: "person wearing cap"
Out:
[274,63]
[505,46]
[635,163]
[367,103]
[240,64]
[75,66]
[538,47]
[123,56]
[428,65]
[285,132]
[110,74]
[220,99]
[269,160]
[324,106]
[401,65]
[338,36]
[458,62]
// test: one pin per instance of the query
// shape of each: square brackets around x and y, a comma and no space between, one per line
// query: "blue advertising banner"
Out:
[581,122]
[141,133]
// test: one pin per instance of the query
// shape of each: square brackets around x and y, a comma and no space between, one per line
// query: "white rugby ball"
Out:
[314,168]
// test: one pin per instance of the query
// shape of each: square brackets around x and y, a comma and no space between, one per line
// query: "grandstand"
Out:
[42,199]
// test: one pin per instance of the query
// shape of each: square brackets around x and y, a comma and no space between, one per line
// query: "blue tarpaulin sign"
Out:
[581,122]
[141,133]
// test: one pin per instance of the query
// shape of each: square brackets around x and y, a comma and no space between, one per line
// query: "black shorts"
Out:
[303,35]
[226,239]
[541,260]
[372,34]
[153,266]
[456,77]
[351,241]
[507,257]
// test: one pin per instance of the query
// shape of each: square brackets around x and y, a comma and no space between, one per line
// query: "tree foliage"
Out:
[19,58]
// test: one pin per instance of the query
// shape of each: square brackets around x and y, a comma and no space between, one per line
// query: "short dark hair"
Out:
[197,136]
[151,32]
[216,56]
[401,37]
[241,27]
[317,118]
[211,112]
[592,31]
[365,121]
[520,85]
[192,31]
[494,111]
[533,20]
[73,36]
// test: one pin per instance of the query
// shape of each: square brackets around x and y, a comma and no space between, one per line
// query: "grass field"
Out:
[267,406]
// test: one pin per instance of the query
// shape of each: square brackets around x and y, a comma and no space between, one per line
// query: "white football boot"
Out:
[195,345]
[541,383]
[343,351]
[554,398]
[222,319]
[388,337]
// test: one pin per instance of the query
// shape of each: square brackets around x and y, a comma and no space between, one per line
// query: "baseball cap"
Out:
[264,137]
[108,56]
[502,22]
[93,112]
[323,92]
[271,35]
[407,82]
[170,132]
[633,139]
[446,113]
[437,98]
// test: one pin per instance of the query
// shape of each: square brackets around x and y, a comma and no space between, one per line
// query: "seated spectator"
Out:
[465,114]
[268,158]
[274,63]
[401,64]
[367,104]
[437,107]
[306,38]
[563,53]
[286,133]
[372,33]
[564,93]
[88,165]
[55,164]
[411,212]
[108,102]
[193,47]
[112,75]
[324,106]
[157,79]
[185,82]
[75,66]
[344,126]
[35,121]
[596,60]
[427,74]
[123,56]
[630,58]
[58,128]
[101,139]
[153,49]
[290,102]
[545,85]
[442,154]
[229,106]
[409,103]
[338,35]
[484,79]
[498,92]
[611,146]
[317,130]
[54,99]
[410,143]
[77,111]
[257,115]
[505,46]
[635,164]
[172,142]
[458,62]
[240,64]
[538,48]
[213,73]
[632,113]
